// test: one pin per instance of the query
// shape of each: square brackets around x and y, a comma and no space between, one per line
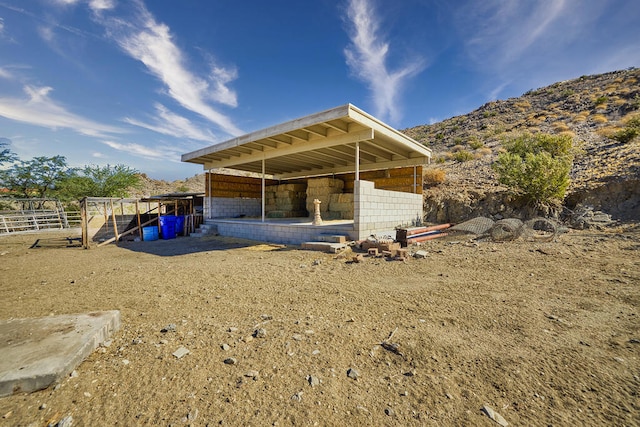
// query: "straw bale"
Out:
[324,183]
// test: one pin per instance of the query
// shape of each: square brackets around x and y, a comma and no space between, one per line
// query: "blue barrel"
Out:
[179,225]
[149,233]
[168,226]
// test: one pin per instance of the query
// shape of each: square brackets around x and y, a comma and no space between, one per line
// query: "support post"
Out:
[262,189]
[357,161]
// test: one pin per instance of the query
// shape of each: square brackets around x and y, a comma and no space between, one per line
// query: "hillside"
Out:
[590,109]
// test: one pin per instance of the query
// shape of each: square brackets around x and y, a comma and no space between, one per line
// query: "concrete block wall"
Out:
[278,233]
[377,211]
[230,207]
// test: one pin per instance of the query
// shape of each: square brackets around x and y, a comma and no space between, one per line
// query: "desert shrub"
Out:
[600,100]
[629,132]
[441,159]
[457,148]
[560,127]
[434,176]
[462,156]
[599,118]
[484,151]
[476,143]
[567,93]
[536,167]
[625,135]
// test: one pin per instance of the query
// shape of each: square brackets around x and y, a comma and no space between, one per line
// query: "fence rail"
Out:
[24,215]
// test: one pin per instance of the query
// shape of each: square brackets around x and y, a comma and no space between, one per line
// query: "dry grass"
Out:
[434,176]
[560,127]
[482,152]
[598,118]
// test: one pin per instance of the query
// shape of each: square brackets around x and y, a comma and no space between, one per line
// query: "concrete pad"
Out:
[333,248]
[38,352]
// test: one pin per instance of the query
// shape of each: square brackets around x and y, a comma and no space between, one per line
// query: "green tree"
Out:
[99,181]
[536,167]
[36,177]
[6,155]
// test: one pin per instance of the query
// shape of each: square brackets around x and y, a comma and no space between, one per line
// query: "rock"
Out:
[230,361]
[260,333]
[225,347]
[43,406]
[74,374]
[265,317]
[164,342]
[390,412]
[106,343]
[353,374]
[180,352]
[315,352]
[232,329]
[494,415]
[317,262]
[125,362]
[421,254]
[169,328]
[297,397]
[297,337]
[87,394]
[313,381]
[252,374]
[65,422]
[193,415]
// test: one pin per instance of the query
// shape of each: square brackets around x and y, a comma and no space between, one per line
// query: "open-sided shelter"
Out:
[369,172]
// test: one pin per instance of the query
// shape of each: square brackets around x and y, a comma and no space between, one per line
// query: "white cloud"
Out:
[169,123]
[100,5]
[1,26]
[161,153]
[5,74]
[152,44]
[367,59]
[40,110]
[499,33]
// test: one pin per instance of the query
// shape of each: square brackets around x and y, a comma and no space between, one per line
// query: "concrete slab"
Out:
[38,352]
[333,248]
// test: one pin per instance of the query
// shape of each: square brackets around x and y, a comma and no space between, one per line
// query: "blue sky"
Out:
[141,82]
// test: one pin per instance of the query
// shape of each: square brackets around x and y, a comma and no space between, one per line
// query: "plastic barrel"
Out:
[149,233]
[168,226]
[179,225]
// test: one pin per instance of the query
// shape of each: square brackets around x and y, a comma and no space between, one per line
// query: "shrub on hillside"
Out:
[434,176]
[462,156]
[630,131]
[536,167]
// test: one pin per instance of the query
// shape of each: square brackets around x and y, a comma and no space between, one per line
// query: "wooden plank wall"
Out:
[400,179]
[235,186]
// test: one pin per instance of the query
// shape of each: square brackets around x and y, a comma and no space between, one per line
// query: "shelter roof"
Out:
[319,144]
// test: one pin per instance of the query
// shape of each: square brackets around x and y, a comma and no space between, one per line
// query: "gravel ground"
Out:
[541,333]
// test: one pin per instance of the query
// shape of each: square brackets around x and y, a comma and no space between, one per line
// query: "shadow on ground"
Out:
[189,245]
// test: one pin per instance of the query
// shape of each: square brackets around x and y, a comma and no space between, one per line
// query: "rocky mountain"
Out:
[591,109]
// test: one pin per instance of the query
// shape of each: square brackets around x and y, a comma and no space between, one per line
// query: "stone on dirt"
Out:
[181,352]
[494,416]
[353,374]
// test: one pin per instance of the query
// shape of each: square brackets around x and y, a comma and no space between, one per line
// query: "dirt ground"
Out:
[543,333]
